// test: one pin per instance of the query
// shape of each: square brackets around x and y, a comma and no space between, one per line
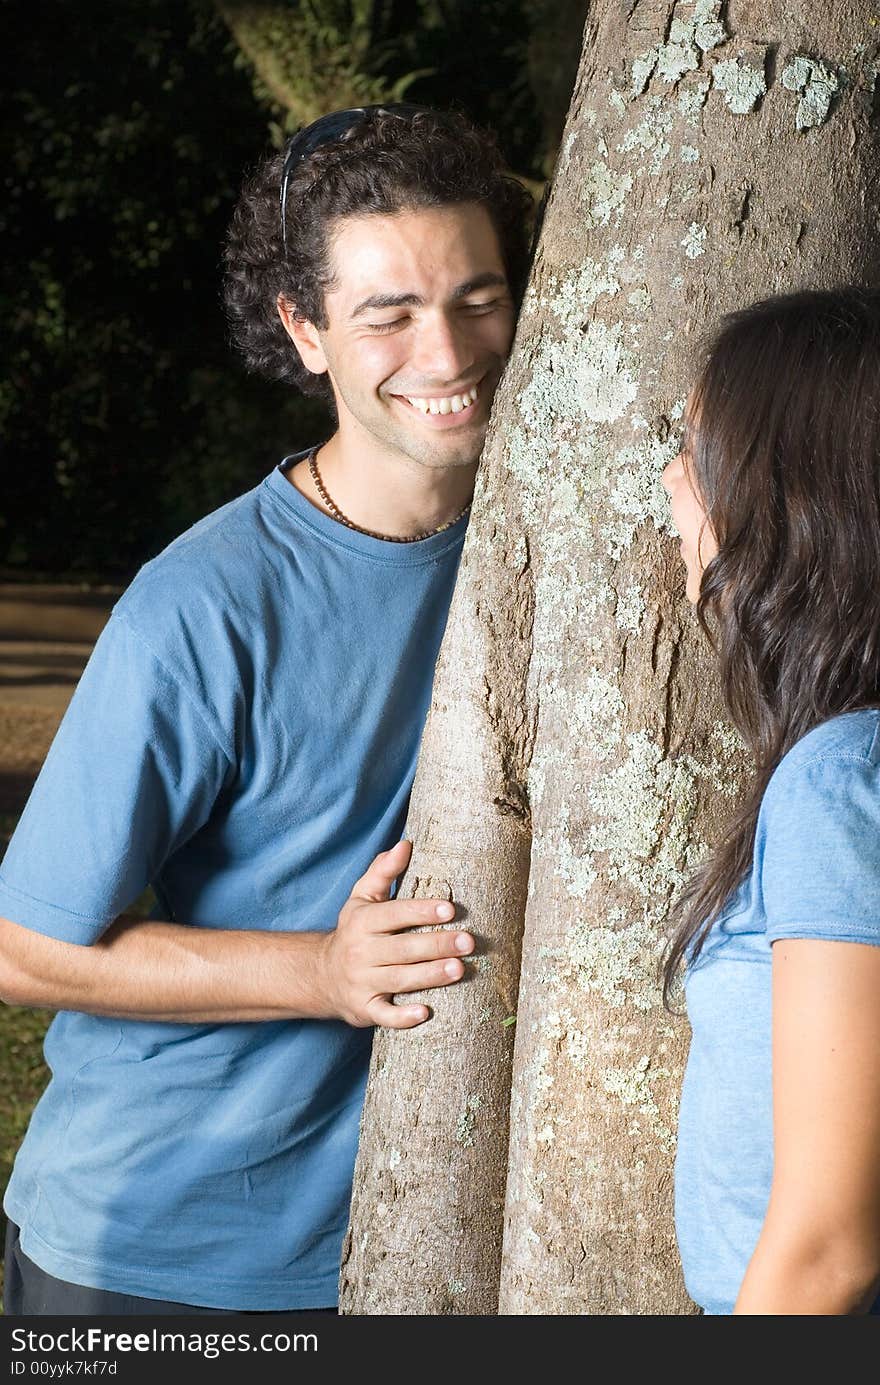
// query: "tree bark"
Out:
[429,1190]
[576,762]
[714,154]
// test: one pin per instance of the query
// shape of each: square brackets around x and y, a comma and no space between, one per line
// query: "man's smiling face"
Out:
[420,322]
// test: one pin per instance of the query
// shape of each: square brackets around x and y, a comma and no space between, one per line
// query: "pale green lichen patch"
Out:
[642,68]
[675,59]
[553,394]
[741,83]
[690,35]
[708,36]
[649,136]
[456,1287]
[575,868]
[644,809]
[618,963]
[816,84]
[637,494]
[632,1086]
[394,1158]
[578,292]
[592,710]
[526,458]
[583,374]
[692,99]
[694,241]
[640,299]
[727,760]
[567,147]
[603,194]
[688,154]
[606,373]
[464,1128]
[630,610]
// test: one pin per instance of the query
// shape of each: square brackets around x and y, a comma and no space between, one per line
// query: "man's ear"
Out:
[304,337]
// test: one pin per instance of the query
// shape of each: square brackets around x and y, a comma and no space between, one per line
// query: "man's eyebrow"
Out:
[490,279]
[482,281]
[388,300]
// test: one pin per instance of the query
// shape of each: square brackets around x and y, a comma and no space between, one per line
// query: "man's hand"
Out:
[369,957]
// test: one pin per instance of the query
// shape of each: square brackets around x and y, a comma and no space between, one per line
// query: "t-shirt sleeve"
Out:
[819,840]
[131,775]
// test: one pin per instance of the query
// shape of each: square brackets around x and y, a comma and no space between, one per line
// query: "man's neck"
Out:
[385,492]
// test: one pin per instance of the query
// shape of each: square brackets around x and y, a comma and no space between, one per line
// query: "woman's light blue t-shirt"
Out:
[244,738]
[815,874]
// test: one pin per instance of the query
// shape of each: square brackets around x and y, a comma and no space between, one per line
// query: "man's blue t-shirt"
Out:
[815,874]
[244,738]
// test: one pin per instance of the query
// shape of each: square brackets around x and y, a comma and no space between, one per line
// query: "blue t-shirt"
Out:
[244,738]
[815,874]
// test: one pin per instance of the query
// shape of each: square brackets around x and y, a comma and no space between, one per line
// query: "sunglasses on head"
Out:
[323,131]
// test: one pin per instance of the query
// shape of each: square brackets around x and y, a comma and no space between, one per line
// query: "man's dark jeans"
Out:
[30,1291]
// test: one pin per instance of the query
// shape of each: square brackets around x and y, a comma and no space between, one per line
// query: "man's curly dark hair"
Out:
[385,164]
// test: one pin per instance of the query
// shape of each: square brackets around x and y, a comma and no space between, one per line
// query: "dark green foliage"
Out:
[473,54]
[126,127]
[123,412]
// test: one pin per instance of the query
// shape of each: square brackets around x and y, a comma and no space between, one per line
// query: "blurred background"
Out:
[126,128]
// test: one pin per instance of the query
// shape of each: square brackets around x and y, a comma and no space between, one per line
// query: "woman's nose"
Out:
[672,473]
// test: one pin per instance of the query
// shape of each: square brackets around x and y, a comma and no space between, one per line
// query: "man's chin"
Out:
[448,453]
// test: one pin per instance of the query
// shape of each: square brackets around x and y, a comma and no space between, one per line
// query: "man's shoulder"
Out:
[204,599]
[217,561]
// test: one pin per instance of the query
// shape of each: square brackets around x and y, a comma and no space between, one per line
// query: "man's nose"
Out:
[444,351]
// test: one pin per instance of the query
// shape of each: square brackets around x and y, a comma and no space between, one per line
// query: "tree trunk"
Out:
[683,191]
[429,1191]
[713,154]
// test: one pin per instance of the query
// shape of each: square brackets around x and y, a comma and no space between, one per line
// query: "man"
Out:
[244,738]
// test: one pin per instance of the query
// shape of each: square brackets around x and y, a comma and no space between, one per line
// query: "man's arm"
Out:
[165,971]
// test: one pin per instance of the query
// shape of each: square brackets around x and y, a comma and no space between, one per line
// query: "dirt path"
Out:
[46,636]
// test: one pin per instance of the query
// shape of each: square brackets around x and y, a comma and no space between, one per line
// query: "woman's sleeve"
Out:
[817,850]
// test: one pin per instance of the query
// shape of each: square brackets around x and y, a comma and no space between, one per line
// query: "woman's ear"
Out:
[304,336]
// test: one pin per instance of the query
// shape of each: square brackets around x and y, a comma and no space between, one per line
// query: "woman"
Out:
[776,494]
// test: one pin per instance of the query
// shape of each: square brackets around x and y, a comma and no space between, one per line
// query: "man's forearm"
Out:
[166,971]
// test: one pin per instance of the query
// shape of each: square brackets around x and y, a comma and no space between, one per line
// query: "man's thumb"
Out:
[383,870]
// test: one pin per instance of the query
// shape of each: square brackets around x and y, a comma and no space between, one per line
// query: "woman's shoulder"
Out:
[817,843]
[852,736]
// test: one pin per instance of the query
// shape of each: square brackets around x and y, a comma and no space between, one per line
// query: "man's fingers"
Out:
[423,976]
[394,915]
[377,879]
[397,1016]
[425,947]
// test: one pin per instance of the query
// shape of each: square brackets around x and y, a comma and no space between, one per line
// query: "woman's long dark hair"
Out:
[782,441]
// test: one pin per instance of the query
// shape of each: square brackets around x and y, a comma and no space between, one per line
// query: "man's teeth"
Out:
[451,405]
